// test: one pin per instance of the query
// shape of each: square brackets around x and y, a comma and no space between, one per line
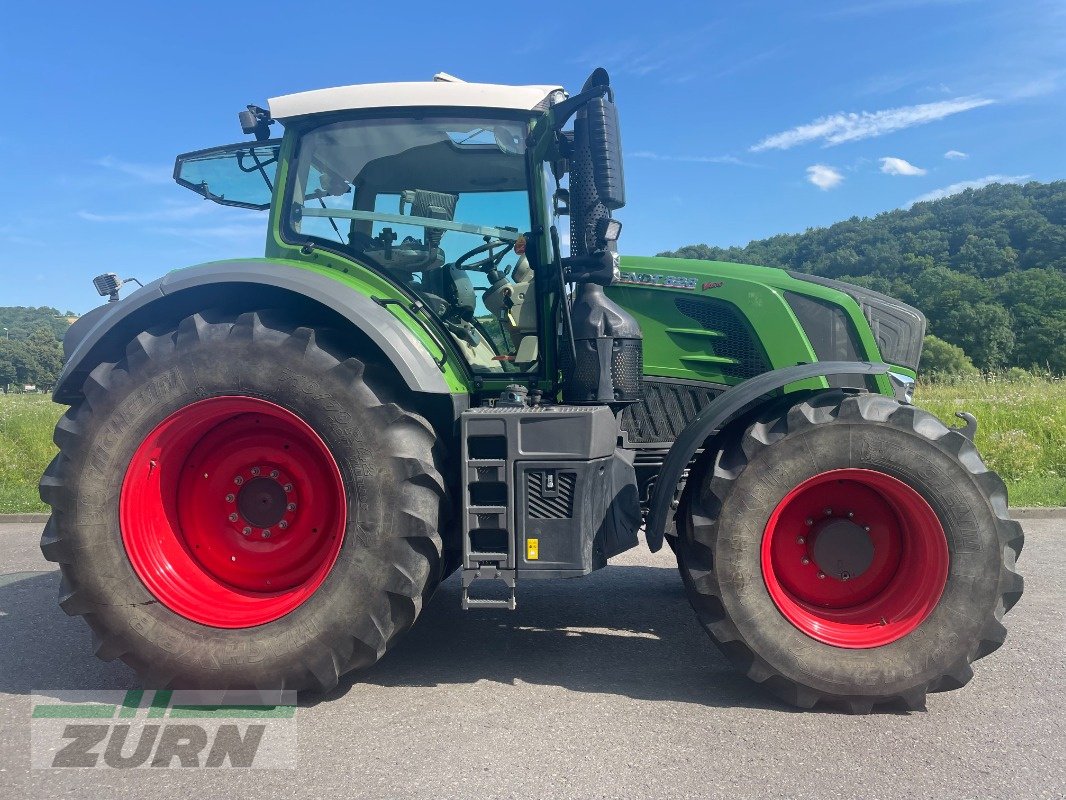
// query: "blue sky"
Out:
[741,119]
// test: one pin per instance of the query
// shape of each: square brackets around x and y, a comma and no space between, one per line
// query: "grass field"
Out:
[1021,430]
[1021,434]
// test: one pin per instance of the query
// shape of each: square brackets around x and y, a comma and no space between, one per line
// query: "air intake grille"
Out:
[559,504]
[665,409]
[738,341]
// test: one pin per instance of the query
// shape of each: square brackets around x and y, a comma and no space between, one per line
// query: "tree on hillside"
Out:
[1037,299]
[36,360]
[21,321]
[47,354]
[8,370]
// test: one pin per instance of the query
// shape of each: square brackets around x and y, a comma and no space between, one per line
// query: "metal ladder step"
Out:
[485,602]
[488,572]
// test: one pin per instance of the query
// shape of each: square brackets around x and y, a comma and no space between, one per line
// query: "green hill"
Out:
[987,266]
[18,322]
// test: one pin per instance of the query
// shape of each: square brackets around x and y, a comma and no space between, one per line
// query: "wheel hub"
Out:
[262,503]
[842,549]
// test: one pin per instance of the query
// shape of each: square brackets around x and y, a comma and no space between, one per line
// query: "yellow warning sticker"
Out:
[532,549]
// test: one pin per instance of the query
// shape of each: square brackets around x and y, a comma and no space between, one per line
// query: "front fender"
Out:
[94,338]
[718,412]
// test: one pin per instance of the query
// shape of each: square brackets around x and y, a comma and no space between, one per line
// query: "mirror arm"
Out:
[567,108]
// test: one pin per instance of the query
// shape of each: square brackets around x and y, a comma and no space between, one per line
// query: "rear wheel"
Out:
[238,504]
[852,550]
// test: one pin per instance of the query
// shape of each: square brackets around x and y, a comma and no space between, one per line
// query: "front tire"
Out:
[238,503]
[853,551]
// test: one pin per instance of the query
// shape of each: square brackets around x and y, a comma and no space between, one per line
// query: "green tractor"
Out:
[269,464]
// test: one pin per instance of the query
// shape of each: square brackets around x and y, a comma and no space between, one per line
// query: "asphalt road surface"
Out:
[599,687]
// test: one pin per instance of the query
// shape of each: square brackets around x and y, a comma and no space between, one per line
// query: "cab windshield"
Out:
[437,204]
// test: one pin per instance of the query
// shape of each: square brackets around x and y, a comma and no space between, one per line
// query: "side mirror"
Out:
[597,181]
[605,144]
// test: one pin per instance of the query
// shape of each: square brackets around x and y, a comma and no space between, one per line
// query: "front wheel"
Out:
[853,551]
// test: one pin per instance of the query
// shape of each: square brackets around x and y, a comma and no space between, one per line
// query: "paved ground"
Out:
[602,687]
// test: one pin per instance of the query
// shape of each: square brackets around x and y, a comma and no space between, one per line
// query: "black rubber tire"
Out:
[727,504]
[390,559]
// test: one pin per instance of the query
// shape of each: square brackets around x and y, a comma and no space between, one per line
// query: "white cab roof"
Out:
[442,92]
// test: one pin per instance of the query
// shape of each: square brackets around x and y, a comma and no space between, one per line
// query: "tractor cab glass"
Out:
[239,175]
[437,204]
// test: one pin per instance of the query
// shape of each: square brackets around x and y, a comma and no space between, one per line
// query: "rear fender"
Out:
[106,330]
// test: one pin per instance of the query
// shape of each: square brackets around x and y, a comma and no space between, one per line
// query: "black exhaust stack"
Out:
[608,361]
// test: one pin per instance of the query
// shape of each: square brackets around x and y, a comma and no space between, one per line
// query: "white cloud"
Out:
[886,6]
[250,230]
[956,154]
[962,186]
[168,214]
[1037,87]
[850,127]
[824,177]
[898,166]
[143,172]
[651,156]
[638,58]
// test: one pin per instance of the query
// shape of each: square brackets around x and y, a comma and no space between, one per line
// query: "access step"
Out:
[489,572]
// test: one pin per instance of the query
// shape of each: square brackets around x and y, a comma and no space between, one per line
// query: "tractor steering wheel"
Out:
[491,261]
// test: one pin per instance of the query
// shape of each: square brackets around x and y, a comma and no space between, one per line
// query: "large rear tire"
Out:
[852,551]
[239,503]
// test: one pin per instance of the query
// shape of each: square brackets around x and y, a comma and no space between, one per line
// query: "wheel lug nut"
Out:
[291,506]
[810,521]
[829,512]
[230,497]
[800,540]
[845,576]
[287,487]
[255,470]
[283,524]
[232,517]
[274,473]
[246,530]
[851,515]
[805,560]
[238,480]
[266,533]
[821,576]
[866,528]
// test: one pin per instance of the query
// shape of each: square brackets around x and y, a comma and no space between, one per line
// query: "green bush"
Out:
[940,358]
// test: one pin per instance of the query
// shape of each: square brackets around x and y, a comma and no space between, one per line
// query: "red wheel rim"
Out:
[232,511]
[854,558]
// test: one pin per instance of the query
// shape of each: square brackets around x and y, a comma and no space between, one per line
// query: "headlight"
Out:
[897,327]
[829,330]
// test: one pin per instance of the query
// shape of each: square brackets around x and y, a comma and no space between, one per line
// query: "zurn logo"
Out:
[163,729]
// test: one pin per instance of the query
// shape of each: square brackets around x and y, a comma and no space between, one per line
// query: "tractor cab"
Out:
[440,187]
